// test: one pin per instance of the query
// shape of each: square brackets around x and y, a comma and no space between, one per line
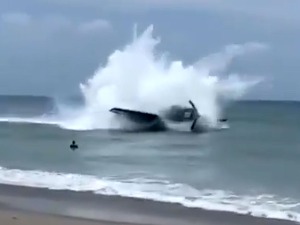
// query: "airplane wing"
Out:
[135,116]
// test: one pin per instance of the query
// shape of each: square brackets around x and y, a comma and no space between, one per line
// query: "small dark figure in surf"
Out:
[73,146]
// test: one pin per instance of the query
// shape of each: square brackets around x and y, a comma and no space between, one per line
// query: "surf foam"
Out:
[263,205]
[141,78]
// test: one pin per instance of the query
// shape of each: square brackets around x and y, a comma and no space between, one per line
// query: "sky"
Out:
[49,47]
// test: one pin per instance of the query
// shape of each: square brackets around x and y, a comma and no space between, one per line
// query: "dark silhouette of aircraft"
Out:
[158,122]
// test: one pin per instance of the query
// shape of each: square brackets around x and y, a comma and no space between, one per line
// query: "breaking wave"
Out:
[264,205]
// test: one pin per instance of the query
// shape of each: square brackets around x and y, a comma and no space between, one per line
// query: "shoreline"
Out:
[89,208]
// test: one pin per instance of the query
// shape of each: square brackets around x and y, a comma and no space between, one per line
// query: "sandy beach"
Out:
[14,217]
[33,206]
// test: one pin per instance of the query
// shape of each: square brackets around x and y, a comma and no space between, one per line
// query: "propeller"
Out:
[196,115]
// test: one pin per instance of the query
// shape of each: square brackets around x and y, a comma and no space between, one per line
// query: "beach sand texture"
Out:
[36,206]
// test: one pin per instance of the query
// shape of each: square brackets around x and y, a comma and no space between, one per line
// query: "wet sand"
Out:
[14,217]
[35,206]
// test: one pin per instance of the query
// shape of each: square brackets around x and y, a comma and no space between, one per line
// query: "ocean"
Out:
[251,167]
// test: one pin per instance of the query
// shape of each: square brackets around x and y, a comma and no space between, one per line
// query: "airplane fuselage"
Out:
[178,114]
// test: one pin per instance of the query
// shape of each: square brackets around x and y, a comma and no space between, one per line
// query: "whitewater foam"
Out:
[32,120]
[141,78]
[158,190]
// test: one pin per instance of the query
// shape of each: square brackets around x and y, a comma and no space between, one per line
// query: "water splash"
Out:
[140,78]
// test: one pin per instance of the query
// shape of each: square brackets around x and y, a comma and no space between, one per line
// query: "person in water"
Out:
[73,146]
